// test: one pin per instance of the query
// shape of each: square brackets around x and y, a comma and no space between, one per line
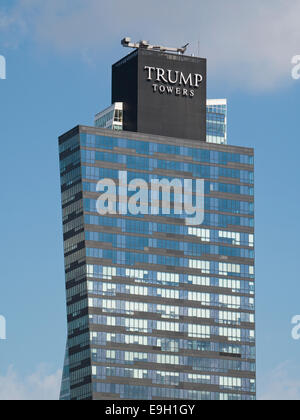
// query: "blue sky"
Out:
[58,56]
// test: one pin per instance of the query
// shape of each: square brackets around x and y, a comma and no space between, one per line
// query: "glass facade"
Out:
[156,308]
[111,118]
[65,383]
[216,121]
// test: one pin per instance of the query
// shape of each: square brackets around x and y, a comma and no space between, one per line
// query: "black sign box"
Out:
[163,94]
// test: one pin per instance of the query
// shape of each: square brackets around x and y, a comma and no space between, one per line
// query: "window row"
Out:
[150,148]
[149,228]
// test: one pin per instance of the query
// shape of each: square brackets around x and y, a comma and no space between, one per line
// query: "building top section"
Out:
[162,93]
[216,119]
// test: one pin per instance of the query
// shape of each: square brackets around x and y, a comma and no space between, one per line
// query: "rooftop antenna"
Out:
[126,42]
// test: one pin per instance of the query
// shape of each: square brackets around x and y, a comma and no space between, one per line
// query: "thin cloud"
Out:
[248,45]
[282,384]
[40,385]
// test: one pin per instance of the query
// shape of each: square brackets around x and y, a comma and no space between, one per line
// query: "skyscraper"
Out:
[158,308]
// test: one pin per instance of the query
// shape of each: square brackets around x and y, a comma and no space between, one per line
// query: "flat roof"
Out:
[155,138]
